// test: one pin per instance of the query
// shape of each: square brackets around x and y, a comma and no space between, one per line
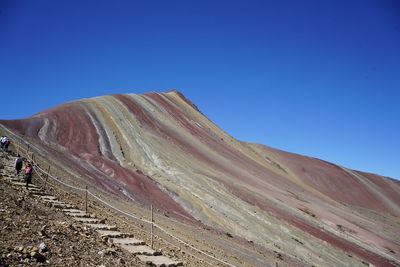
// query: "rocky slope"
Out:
[33,234]
[160,149]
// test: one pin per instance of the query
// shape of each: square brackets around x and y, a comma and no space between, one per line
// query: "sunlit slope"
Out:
[160,148]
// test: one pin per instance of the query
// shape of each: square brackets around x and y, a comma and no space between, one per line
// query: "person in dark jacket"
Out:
[18,164]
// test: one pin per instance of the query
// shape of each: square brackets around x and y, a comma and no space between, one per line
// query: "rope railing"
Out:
[192,247]
[55,179]
[113,207]
[117,209]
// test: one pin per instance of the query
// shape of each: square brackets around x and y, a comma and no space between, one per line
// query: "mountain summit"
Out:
[158,148]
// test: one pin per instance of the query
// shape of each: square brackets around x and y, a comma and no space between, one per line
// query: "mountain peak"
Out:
[158,148]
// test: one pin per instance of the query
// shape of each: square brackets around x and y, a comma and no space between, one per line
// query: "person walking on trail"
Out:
[3,142]
[6,144]
[18,164]
[28,174]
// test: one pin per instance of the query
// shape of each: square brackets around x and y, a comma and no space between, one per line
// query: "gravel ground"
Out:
[33,234]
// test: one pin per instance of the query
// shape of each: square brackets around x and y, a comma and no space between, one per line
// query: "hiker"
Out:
[2,141]
[18,164]
[6,144]
[28,174]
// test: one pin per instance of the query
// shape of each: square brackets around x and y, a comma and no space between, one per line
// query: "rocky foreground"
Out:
[33,234]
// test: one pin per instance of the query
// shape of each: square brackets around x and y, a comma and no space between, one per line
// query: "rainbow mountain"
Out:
[160,149]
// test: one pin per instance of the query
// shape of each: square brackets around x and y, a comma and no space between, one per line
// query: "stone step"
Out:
[113,234]
[86,220]
[62,205]
[159,261]
[102,226]
[140,250]
[127,241]
[58,204]
[48,198]
[52,201]
[12,179]
[72,210]
[37,192]
[78,214]
[34,188]
[23,184]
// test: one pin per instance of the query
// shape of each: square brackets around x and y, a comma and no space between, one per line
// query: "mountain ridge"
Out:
[163,150]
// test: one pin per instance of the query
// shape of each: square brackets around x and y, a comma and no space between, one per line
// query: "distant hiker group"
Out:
[19,161]
[5,142]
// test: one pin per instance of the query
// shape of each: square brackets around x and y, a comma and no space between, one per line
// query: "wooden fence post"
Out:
[151,237]
[86,199]
[47,176]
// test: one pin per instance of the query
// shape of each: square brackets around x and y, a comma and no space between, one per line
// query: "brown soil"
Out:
[25,223]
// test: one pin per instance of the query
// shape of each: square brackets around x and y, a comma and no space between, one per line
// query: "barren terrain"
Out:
[240,203]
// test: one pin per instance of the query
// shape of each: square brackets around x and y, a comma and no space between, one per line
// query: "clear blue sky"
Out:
[320,78]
